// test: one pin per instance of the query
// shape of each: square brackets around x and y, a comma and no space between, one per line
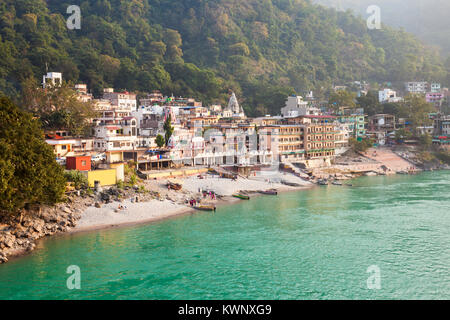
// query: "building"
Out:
[435,87]
[296,106]
[62,147]
[120,100]
[441,125]
[116,137]
[381,122]
[291,139]
[355,124]
[388,95]
[425,130]
[435,98]
[52,79]
[416,87]
[233,110]
[82,92]
[80,163]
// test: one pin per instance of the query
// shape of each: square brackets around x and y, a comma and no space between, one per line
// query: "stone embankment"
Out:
[19,235]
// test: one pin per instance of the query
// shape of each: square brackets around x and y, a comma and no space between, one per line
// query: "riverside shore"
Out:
[171,203]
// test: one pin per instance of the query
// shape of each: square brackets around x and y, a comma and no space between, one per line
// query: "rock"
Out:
[98,205]
[66,210]
[3,258]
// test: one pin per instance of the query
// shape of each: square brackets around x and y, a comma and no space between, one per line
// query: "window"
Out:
[64,147]
[83,163]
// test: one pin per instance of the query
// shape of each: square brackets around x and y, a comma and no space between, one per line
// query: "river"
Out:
[312,244]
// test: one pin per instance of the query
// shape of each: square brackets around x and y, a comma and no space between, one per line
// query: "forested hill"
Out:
[428,19]
[262,49]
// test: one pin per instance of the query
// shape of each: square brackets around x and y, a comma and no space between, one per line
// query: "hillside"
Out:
[262,49]
[428,19]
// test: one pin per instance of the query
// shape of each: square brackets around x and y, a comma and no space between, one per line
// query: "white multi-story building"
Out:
[435,87]
[53,79]
[122,100]
[296,106]
[388,95]
[416,87]
[116,137]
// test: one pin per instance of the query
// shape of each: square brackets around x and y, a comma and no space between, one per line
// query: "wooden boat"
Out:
[174,186]
[205,208]
[241,196]
[337,183]
[322,182]
[271,192]
[291,184]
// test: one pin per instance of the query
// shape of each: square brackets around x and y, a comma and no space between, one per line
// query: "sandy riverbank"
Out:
[174,202]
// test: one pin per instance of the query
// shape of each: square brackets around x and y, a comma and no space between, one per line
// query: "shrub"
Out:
[79,180]
[120,184]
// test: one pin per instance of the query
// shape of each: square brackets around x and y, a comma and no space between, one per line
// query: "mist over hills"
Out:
[428,19]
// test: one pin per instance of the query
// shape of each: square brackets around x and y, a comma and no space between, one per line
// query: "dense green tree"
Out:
[168,129]
[342,98]
[160,141]
[417,110]
[57,107]
[29,173]
[369,103]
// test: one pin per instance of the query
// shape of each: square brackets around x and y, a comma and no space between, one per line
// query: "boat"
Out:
[174,186]
[337,183]
[322,182]
[291,184]
[271,192]
[241,196]
[205,208]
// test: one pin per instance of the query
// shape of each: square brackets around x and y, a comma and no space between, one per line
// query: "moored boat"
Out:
[290,184]
[174,186]
[271,192]
[241,196]
[205,208]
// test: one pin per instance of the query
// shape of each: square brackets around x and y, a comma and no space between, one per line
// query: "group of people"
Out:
[210,194]
[193,202]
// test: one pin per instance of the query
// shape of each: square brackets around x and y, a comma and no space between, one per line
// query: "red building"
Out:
[81,163]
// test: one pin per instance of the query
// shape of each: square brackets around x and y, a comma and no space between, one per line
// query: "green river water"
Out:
[313,244]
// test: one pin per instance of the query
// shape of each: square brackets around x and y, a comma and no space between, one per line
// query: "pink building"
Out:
[435,98]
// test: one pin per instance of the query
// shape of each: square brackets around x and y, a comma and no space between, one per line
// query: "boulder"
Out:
[66,210]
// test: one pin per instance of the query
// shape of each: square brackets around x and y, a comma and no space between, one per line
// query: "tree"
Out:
[160,141]
[418,111]
[402,135]
[425,141]
[29,173]
[57,107]
[168,129]
[369,103]
[342,98]
[360,146]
